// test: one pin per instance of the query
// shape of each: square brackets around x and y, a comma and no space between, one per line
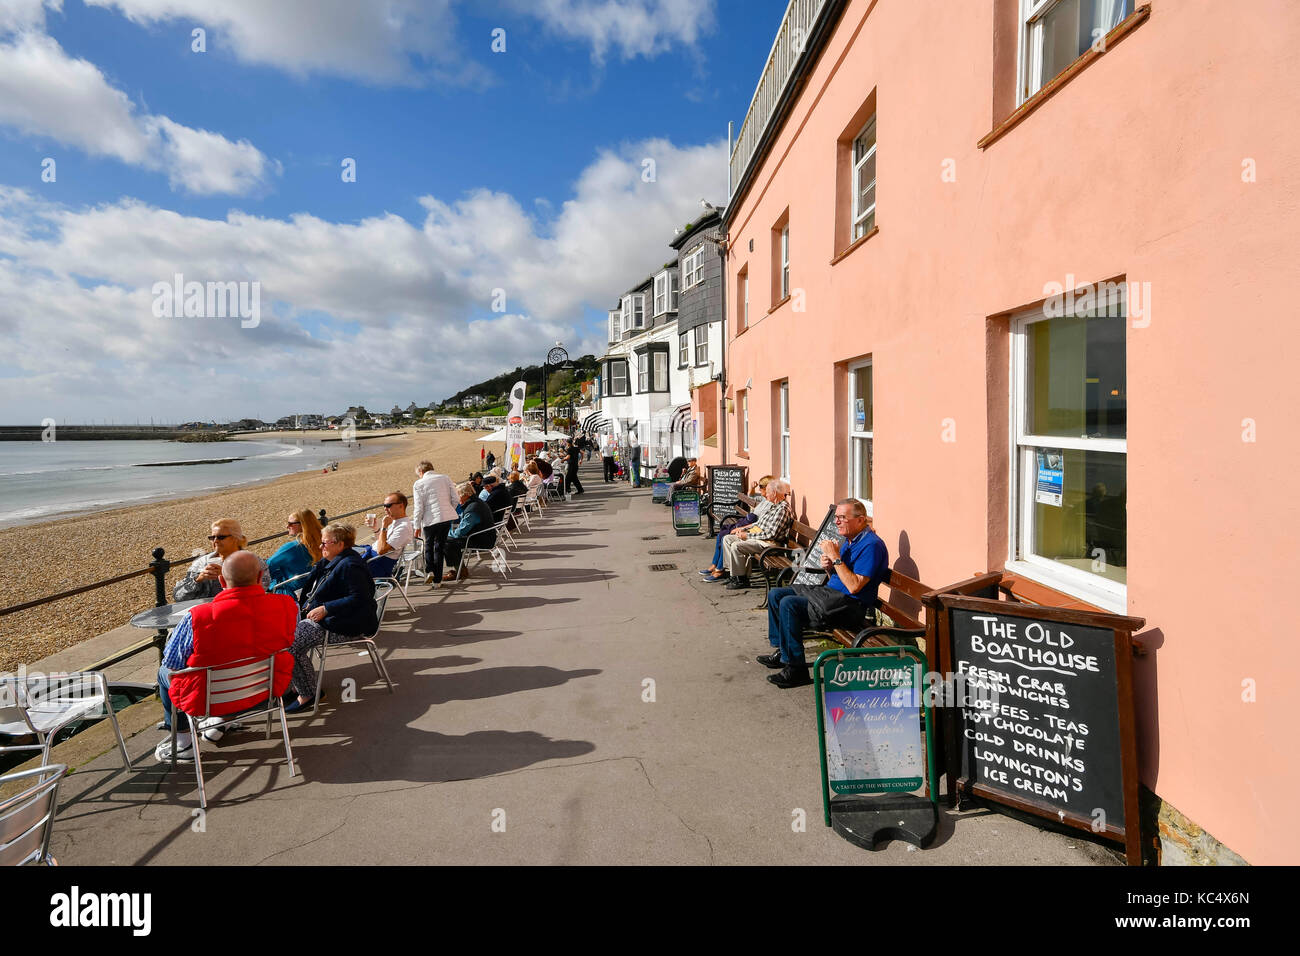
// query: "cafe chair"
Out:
[225,684]
[27,818]
[42,705]
[401,576]
[383,588]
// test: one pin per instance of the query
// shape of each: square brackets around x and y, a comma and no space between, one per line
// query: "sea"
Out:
[44,480]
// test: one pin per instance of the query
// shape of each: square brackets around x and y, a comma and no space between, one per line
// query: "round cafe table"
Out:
[167,616]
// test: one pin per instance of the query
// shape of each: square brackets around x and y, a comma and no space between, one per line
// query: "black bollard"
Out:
[160,566]
[323,520]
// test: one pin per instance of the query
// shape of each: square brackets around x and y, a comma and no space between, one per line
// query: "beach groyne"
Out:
[104,433]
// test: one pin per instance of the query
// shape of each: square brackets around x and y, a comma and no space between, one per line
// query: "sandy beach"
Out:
[43,559]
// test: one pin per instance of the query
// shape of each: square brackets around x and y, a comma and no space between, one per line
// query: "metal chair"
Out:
[225,684]
[383,588]
[27,819]
[503,530]
[499,561]
[401,576]
[42,705]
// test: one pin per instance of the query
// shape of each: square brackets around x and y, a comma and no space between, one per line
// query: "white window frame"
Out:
[642,372]
[659,370]
[744,420]
[1029,71]
[783,427]
[674,290]
[661,293]
[693,268]
[859,438]
[627,385]
[746,283]
[859,214]
[633,312]
[701,342]
[683,350]
[1105,593]
[615,325]
[785,261]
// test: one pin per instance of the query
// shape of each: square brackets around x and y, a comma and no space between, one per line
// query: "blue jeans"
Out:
[164,682]
[787,616]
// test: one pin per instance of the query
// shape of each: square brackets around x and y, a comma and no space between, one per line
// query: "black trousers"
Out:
[609,467]
[435,548]
[574,483]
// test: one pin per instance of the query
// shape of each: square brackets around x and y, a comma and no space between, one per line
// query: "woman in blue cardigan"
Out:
[338,600]
[297,555]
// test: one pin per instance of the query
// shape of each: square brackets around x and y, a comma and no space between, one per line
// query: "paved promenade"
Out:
[521,703]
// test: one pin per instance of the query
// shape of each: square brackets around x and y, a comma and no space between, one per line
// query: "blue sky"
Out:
[475,170]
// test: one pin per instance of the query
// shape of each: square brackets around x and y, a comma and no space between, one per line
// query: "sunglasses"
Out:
[325,541]
[391,504]
[219,537]
[292,524]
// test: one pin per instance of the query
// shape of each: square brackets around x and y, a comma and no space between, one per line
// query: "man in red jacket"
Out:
[242,621]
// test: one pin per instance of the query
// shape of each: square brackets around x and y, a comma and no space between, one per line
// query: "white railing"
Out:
[787,48]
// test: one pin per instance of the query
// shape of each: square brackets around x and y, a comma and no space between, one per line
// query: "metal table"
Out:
[167,616]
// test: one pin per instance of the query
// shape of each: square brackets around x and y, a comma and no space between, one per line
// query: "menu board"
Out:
[1039,718]
[726,485]
[810,569]
[871,712]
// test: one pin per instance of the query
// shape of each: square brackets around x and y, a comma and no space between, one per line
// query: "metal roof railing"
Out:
[787,49]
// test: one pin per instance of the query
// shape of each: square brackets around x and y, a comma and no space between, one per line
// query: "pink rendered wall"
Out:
[1133,169]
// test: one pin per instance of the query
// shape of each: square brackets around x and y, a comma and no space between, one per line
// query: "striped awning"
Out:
[594,423]
[681,418]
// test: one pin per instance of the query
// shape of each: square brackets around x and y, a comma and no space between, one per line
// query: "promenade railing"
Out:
[159,567]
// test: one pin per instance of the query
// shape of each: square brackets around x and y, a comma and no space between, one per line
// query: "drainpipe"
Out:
[722,386]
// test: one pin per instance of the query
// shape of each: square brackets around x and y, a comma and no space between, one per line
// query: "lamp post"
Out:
[557,357]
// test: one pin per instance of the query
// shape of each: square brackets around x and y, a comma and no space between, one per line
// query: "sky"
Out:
[409,195]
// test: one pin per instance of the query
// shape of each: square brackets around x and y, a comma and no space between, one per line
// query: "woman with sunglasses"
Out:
[202,580]
[297,555]
[337,600]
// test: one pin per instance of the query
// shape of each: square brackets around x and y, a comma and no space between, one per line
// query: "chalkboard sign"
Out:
[810,569]
[1043,715]
[726,485]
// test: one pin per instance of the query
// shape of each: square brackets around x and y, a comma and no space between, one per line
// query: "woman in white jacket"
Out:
[434,510]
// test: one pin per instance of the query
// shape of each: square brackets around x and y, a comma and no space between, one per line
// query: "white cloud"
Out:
[25,14]
[632,27]
[383,293]
[381,41]
[48,94]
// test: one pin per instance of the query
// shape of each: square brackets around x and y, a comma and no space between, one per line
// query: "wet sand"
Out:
[43,559]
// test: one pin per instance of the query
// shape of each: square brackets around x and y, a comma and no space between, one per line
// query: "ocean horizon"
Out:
[42,481]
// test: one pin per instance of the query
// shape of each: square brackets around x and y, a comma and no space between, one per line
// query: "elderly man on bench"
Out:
[771,528]
[846,599]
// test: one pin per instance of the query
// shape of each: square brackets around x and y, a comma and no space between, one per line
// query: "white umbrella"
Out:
[553,436]
[528,435]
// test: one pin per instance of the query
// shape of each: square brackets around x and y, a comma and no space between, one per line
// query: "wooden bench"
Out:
[902,607]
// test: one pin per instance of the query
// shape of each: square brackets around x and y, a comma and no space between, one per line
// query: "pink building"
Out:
[962,247]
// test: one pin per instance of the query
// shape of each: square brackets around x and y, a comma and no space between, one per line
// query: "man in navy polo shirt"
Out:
[855,570]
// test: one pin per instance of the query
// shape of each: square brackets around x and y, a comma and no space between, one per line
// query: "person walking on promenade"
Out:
[607,456]
[574,455]
[434,512]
